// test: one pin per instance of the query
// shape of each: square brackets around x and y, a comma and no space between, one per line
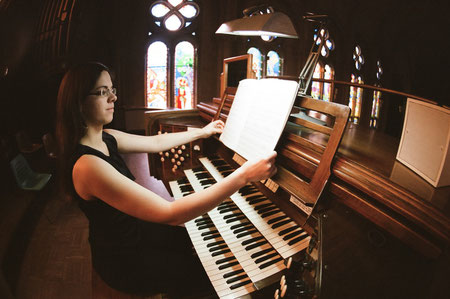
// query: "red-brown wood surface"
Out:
[363,176]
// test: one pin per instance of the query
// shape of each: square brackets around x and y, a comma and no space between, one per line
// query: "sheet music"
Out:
[258,115]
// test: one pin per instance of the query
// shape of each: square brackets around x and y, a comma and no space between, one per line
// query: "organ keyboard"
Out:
[254,239]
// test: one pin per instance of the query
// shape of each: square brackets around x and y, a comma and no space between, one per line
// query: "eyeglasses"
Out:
[104,92]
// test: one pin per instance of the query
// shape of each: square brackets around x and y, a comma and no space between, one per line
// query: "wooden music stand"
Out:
[331,122]
[226,100]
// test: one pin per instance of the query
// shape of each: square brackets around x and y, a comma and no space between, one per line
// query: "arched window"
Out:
[376,100]
[171,59]
[328,75]
[157,75]
[256,61]
[273,65]
[316,86]
[269,64]
[356,93]
[184,75]
[322,90]
[375,109]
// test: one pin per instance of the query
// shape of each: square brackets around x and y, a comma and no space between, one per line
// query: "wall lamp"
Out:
[262,20]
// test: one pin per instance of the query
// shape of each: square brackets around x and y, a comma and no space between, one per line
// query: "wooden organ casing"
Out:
[373,235]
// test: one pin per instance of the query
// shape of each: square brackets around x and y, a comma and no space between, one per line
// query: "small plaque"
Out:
[272,185]
[238,159]
[300,205]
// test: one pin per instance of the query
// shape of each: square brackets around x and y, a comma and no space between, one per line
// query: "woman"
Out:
[136,244]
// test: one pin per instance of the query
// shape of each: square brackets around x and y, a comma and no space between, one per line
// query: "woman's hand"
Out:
[257,170]
[215,127]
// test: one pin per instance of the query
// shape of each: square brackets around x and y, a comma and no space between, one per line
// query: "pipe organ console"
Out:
[370,235]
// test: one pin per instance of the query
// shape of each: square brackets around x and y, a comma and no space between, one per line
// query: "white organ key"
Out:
[287,247]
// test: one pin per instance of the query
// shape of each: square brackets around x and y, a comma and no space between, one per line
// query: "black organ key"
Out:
[206,226]
[221,267]
[232,215]
[273,212]
[265,265]
[276,219]
[237,278]
[211,232]
[230,274]
[246,233]
[213,249]
[262,206]
[211,237]
[186,188]
[207,182]
[267,209]
[227,173]
[224,168]
[202,175]
[259,253]
[228,209]
[298,239]
[242,229]
[281,223]
[264,258]
[288,230]
[240,225]
[291,235]
[218,162]
[257,200]
[215,243]
[225,259]
[249,247]
[231,220]
[249,241]
[220,252]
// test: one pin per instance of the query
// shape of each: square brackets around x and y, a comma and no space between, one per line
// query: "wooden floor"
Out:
[44,249]
[48,254]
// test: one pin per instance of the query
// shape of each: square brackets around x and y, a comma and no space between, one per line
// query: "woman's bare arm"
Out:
[95,178]
[130,143]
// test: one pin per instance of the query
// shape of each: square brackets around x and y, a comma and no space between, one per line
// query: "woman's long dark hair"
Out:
[70,127]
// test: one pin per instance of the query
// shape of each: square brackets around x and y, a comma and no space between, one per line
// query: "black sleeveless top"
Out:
[108,227]
[114,237]
[130,254]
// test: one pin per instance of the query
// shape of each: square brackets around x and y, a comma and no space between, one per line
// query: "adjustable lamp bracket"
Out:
[314,54]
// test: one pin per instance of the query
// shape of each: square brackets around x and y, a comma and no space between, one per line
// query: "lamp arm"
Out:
[307,72]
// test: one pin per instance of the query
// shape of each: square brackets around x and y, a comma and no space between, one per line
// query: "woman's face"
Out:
[98,108]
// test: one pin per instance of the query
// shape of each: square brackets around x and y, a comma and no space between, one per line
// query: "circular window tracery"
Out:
[174,14]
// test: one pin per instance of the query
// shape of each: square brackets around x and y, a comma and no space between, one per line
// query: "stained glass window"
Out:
[356,93]
[174,14]
[359,93]
[322,90]
[256,61]
[157,75]
[352,97]
[171,67]
[376,100]
[328,74]
[184,75]
[328,45]
[316,85]
[273,64]
[358,58]
[374,116]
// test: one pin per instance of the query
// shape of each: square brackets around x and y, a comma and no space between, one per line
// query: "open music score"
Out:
[258,116]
